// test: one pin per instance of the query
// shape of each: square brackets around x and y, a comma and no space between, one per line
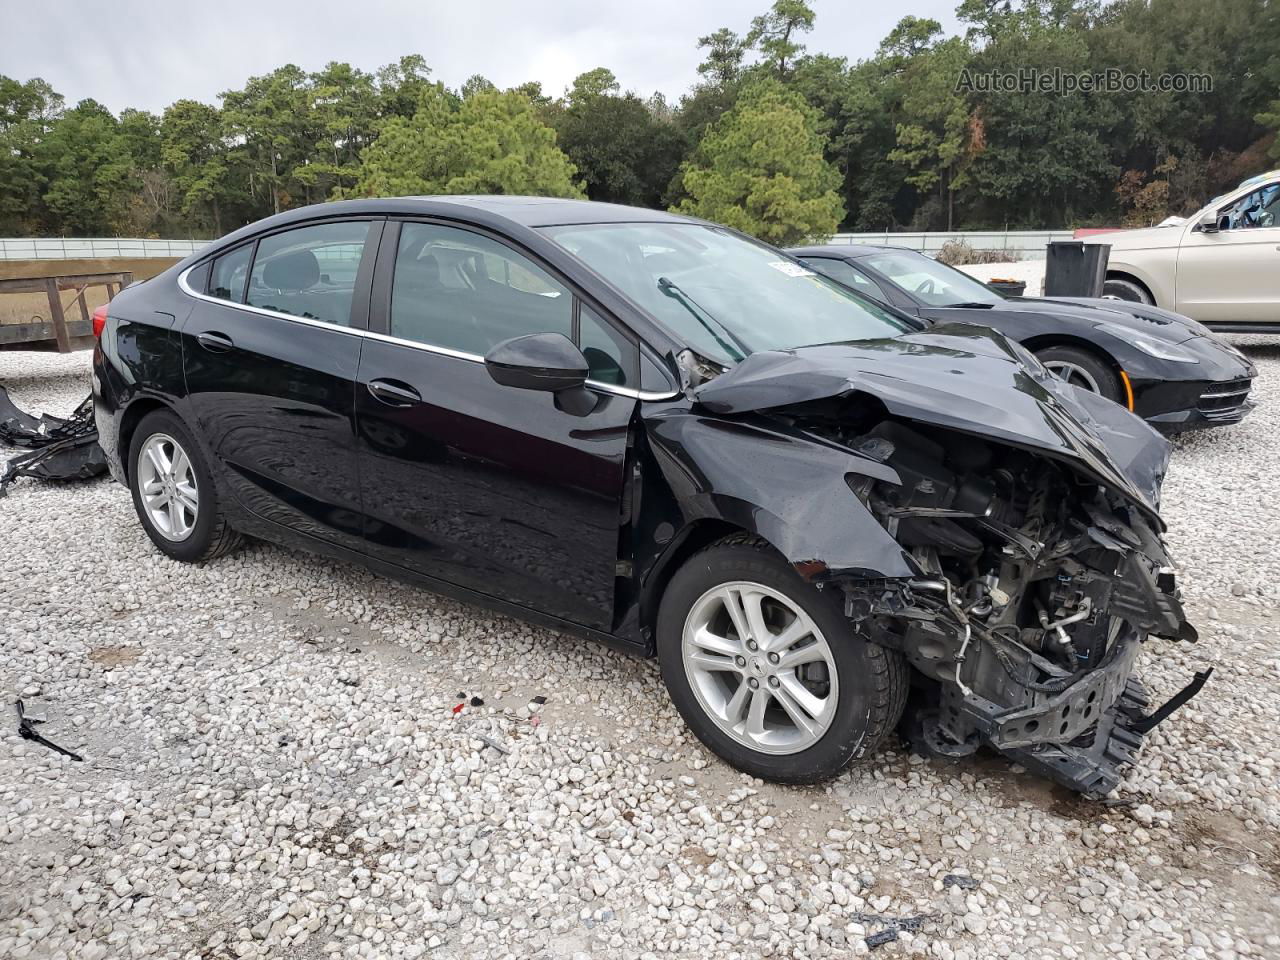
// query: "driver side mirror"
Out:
[538,361]
[1208,223]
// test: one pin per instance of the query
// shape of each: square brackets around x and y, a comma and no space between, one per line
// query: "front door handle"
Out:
[394,393]
[215,342]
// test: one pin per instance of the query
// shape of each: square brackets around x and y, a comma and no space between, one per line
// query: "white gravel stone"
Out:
[273,769]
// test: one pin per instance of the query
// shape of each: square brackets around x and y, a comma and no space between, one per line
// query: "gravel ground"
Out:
[274,768]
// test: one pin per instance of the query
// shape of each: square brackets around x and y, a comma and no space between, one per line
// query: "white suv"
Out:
[1221,267]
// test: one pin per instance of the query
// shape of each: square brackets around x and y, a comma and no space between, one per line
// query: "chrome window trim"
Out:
[399,341]
[261,311]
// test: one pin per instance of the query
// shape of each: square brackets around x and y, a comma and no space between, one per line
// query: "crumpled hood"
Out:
[967,378]
[1152,322]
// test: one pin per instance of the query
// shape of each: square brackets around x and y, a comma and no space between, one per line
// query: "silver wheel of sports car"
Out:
[1073,374]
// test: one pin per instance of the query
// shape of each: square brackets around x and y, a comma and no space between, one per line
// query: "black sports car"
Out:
[1167,368]
[658,433]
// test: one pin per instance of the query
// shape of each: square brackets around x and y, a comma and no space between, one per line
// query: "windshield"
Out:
[724,295]
[929,281]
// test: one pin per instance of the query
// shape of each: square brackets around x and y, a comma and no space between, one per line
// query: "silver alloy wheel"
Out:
[760,667]
[1073,374]
[167,485]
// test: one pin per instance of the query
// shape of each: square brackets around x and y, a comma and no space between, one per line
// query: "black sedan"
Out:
[1165,367]
[658,433]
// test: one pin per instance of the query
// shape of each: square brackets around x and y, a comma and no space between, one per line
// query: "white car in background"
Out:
[1221,266]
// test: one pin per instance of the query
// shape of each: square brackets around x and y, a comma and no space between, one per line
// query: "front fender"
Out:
[788,488]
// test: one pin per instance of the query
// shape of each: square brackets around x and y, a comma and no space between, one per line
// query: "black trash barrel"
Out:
[1010,288]
[1074,268]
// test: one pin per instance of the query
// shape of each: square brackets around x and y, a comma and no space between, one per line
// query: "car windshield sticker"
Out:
[790,269]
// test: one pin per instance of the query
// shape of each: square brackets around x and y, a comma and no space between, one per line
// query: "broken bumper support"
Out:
[1082,736]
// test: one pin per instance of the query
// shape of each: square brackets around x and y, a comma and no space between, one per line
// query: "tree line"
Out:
[772,138]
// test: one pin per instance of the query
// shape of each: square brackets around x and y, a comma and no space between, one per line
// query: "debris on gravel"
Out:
[288,757]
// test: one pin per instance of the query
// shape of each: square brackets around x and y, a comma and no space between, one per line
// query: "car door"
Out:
[492,488]
[270,353]
[1232,275]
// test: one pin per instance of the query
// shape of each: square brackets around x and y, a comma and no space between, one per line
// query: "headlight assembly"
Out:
[1152,348]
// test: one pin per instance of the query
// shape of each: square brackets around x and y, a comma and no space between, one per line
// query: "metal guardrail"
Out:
[57,248]
[1027,244]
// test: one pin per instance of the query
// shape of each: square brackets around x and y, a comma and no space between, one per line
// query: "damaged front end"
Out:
[1026,515]
[1036,588]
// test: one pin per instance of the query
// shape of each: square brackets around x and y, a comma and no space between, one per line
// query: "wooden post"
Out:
[57,317]
[84,307]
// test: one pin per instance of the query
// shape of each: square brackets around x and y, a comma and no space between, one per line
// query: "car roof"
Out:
[845,251]
[496,212]
[552,211]
[491,210]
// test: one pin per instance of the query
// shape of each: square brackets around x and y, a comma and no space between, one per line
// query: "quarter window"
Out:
[309,272]
[226,281]
[463,291]
[610,356]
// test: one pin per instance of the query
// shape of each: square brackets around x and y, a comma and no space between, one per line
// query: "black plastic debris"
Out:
[477,702]
[61,448]
[27,730]
[892,927]
[881,938]
[960,880]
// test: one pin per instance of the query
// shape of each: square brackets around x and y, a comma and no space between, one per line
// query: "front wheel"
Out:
[1082,369]
[766,670]
[173,491]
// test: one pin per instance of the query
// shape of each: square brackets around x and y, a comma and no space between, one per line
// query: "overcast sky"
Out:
[147,53]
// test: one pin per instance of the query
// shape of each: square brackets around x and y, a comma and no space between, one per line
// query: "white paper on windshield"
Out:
[790,269]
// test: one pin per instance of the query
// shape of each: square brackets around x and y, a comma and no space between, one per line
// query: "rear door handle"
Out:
[214,342]
[394,393]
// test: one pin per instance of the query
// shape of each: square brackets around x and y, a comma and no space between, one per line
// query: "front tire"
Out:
[766,670]
[1082,369]
[173,491]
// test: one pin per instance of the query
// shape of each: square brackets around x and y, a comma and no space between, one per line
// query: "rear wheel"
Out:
[1125,290]
[173,491]
[1082,369]
[767,671]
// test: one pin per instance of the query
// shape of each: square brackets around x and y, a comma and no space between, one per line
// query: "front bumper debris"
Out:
[59,448]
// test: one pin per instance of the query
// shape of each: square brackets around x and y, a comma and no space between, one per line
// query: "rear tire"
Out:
[1126,290]
[861,687]
[173,491]
[1083,369]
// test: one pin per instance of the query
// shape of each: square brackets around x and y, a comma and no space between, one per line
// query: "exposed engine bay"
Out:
[1036,587]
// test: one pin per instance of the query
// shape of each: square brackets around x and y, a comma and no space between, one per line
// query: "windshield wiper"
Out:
[738,352]
[975,305]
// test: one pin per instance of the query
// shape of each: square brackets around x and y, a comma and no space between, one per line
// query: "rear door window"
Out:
[309,272]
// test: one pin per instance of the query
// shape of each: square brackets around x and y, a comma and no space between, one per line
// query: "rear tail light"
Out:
[99,321]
